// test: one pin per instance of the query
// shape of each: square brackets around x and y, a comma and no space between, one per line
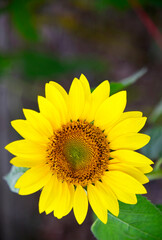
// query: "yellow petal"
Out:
[61,90]
[132,141]
[25,129]
[86,86]
[110,110]
[130,157]
[36,187]
[145,168]
[49,112]
[31,176]
[99,95]
[125,182]
[69,207]
[26,162]
[130,125]
[132,171]
[108,198]
[122,196]
[54,196]
[63,201]
[96,203]
[80,204]
[46,191]
[124,116]
[130,114]
[87,94]
[76,99]
[114,161]
[38,122]
[30,183]
[25,147]
[56,98]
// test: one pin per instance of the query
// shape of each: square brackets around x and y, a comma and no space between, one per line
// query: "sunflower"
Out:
[80,148]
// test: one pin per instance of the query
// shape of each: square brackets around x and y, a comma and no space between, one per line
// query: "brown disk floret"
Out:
[91,146]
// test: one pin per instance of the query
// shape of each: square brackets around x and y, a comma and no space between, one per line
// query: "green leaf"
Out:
[35,65]
[156,113]
[40,65]
[123,84]
[132,79]
[155,175]
[154,3]
[159,206]
[22,19]
[5,63]
[119,4]
[157,171]
[140,221]
[124,4]
[115,87]
[12,177]
[153,149]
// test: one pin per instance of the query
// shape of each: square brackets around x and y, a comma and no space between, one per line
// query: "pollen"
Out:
[78,153]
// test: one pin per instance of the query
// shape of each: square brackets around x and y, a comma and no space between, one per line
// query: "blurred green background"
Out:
[43,40]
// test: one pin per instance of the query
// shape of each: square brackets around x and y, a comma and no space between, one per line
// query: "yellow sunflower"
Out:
[80,148]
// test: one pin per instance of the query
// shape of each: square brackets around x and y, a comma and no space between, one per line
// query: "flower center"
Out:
[78,153]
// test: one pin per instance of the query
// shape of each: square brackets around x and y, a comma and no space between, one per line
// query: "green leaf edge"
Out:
[157,207]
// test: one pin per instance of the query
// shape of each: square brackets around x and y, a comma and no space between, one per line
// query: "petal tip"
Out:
[7,147]
[82,75]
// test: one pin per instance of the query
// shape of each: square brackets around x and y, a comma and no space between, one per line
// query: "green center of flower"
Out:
[78,153]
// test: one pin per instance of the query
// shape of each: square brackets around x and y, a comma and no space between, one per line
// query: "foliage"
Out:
[140,221]
[157,113]
[12,177]
[153,149]
[5,64]
[115,87]
[38,65]
[119,4]
[125,4]
[22,19]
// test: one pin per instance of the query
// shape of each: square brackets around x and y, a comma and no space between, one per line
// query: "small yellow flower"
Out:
[80,149]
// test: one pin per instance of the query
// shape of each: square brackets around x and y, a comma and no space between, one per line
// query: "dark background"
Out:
[58,40]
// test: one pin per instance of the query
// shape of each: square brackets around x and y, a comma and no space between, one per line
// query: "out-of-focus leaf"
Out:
[88,63]
[140,221]
[35,65]
[158,164]
[157,112]
[159,206]
[12,177]
[153,149]
[22,19]
[120,4]
[157,171]
[132,79]
[155,175]
[117,86]
[5,63]
[125,4]
[155,3]
[40,65]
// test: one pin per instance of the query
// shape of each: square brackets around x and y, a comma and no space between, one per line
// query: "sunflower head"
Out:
[80,148]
